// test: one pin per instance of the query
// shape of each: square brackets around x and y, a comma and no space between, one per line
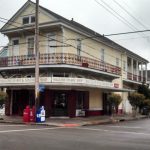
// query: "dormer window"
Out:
[32,19]
[28,20]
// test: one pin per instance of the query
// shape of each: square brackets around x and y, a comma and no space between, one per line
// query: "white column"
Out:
[141,72]
[137,70]
[63,43]
[145,73]
[132,67]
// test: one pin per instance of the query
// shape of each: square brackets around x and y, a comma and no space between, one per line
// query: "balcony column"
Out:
[137,70]
[63,42]
[141,72]
[145,73]
[132,67]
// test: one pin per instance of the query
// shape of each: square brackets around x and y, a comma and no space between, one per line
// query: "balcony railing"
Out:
[60,58]
[134,77]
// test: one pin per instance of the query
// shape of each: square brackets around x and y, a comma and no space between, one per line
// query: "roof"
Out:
[3,51]
[88,31]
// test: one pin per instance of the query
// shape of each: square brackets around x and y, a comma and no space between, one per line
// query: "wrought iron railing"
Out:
[60,58]
[134,77]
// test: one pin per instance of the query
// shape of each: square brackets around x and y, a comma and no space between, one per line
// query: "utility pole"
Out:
[37,56]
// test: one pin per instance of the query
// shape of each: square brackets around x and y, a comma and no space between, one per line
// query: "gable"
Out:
[27,10]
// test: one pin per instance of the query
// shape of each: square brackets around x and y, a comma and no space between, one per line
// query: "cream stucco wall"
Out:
[91,48]
[95,99]
[43,44]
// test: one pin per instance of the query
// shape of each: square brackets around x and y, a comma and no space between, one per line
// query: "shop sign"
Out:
[63,80]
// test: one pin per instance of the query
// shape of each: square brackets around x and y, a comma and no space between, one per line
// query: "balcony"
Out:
[60,58]
[136,78]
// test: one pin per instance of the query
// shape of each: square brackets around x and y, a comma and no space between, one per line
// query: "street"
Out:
[131,135]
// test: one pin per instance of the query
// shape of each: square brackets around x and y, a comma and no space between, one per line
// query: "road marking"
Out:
[113,131]
[125,127]
[5,125]
[22,130]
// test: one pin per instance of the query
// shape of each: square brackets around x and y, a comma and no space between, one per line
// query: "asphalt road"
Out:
[132,135]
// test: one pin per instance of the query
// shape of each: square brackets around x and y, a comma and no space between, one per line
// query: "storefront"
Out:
[62,96]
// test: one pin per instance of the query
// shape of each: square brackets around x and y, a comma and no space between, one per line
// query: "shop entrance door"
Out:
[107,108]
[60,104]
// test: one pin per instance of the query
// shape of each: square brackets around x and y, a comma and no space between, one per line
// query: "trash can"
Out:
[40,115]
[26,114]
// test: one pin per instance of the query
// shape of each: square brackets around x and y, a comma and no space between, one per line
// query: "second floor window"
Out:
[124,65]
[117,62]
[30,42]
[102,55]
[79,47]
[51,43]
[15,47]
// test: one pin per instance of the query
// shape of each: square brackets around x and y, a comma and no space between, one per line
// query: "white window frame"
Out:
[102,54]
[29,19]
[79,47]
[27,43]
[12,50]
[117,62]
[124,65]
[48,48]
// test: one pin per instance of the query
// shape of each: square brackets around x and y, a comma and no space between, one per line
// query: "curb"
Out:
[88,123]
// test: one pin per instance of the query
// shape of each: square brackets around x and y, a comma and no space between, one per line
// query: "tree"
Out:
[3,96]
[114,100]
[146,107]
[136,99]
[144,89]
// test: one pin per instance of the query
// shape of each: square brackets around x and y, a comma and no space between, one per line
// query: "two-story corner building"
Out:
[78,67]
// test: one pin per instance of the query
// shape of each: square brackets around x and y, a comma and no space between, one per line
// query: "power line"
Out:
[131,38]
[123,33]
[125,21]
[111,12]
[133,11]
[130,14]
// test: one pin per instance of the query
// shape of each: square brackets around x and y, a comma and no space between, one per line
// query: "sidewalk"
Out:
[72,122]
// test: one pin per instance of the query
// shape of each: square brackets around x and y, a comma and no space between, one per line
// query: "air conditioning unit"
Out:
[80,113]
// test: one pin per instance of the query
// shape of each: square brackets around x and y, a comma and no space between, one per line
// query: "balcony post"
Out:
[141,72]
[63,43]
[137,70]
[132,67]
[145,72]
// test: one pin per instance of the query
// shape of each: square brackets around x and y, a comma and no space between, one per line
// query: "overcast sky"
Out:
[93,14]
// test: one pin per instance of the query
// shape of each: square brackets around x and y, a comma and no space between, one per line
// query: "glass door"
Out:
[60,104]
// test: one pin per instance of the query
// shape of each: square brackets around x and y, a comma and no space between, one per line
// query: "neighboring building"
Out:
[148,77]
[76,71]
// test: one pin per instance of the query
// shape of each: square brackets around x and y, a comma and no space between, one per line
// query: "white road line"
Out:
[23,130]
[125,127]
[113,131]
[5,125]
